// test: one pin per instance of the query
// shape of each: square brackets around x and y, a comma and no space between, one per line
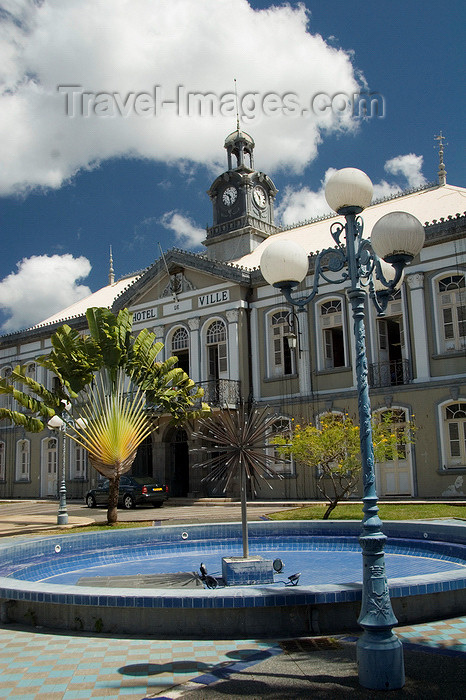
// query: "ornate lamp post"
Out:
[56,423]
[396,239]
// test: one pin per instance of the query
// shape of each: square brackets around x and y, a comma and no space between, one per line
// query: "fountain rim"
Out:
[240,596]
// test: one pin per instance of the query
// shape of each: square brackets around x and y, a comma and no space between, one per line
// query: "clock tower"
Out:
[242,200]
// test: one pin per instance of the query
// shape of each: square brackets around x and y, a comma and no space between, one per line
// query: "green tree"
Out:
[333,449]
[112,380]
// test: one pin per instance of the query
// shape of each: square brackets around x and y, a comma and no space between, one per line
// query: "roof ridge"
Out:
[379,200]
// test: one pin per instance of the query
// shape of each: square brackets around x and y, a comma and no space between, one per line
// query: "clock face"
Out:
[230,196]
[260,196]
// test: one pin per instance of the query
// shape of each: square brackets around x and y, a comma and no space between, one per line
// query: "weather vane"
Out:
[442,173]
[237,108]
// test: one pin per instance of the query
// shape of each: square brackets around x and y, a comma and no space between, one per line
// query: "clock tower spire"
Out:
[242,201]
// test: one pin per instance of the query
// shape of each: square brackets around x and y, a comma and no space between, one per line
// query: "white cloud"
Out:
[299,205]
[185,230]
[384,189]
[113,47]
[409,166]
[41,286]
[304,203]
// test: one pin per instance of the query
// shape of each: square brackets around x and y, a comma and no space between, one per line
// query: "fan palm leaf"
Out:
[111,426]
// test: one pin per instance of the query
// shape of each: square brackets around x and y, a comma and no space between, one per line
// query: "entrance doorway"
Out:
[50,467]
[179,464]
[395,476]
[391,351]
[142,465]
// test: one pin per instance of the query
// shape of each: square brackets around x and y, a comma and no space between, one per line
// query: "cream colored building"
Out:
[231,332]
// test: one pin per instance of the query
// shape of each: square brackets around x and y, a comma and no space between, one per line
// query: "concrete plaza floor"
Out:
[40,664]
[46,664]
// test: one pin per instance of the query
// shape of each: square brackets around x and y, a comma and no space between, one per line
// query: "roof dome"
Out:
[239,135]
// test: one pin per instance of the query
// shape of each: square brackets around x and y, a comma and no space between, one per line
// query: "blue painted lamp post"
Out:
[396,239]
[56,423]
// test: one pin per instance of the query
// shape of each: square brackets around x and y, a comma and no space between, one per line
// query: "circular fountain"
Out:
[145,580]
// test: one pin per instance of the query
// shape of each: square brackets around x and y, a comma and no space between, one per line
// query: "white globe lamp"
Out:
[284,263]
[397,236]
[349,189]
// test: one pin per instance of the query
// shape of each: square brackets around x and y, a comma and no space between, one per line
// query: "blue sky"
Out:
[72,184]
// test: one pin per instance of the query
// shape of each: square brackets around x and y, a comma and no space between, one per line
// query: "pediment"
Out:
[179,274]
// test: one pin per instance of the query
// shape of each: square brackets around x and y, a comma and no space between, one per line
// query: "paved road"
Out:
[17,517]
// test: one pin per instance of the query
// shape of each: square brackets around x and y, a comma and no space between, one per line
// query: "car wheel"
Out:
[128,501]
[90,500]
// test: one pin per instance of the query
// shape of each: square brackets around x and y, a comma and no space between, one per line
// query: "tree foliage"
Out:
[110,351]
[333,449]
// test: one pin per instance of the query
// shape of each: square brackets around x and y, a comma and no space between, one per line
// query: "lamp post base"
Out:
[380,660]
[62,519]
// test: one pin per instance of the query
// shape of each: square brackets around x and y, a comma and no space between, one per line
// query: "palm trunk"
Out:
[112,512]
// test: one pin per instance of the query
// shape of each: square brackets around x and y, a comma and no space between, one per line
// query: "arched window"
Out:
[332,350]
[78,462]
[286,465]
[2,461]
[180,348]
[320,422]
[451,309]
[282,361]
[390,367]
[454,415]
[6,400]
[23,460]
[51,456]
[31,374]
[216,340]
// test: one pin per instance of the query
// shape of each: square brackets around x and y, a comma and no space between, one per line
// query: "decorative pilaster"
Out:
[194,349]
[160,338]
[233,344]
[257,354]
[304,361]
[415,285]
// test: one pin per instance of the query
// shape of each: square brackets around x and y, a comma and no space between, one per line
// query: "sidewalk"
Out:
[46,665]
[30,523]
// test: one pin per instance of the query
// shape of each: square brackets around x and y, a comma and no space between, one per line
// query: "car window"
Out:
[141,480]
[124,481]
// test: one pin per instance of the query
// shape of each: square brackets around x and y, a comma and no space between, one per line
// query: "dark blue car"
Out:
[133,491]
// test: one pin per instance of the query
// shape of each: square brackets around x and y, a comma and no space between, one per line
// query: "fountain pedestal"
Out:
[244,571]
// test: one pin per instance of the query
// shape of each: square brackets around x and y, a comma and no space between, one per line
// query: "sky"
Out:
[113,116]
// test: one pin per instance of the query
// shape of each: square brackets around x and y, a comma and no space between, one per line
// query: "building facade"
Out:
[239,339]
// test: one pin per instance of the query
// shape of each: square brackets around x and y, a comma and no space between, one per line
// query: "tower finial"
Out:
[442,173]
[237,109]
[111,273]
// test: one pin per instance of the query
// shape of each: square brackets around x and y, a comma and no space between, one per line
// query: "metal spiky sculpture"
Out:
[239,440]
